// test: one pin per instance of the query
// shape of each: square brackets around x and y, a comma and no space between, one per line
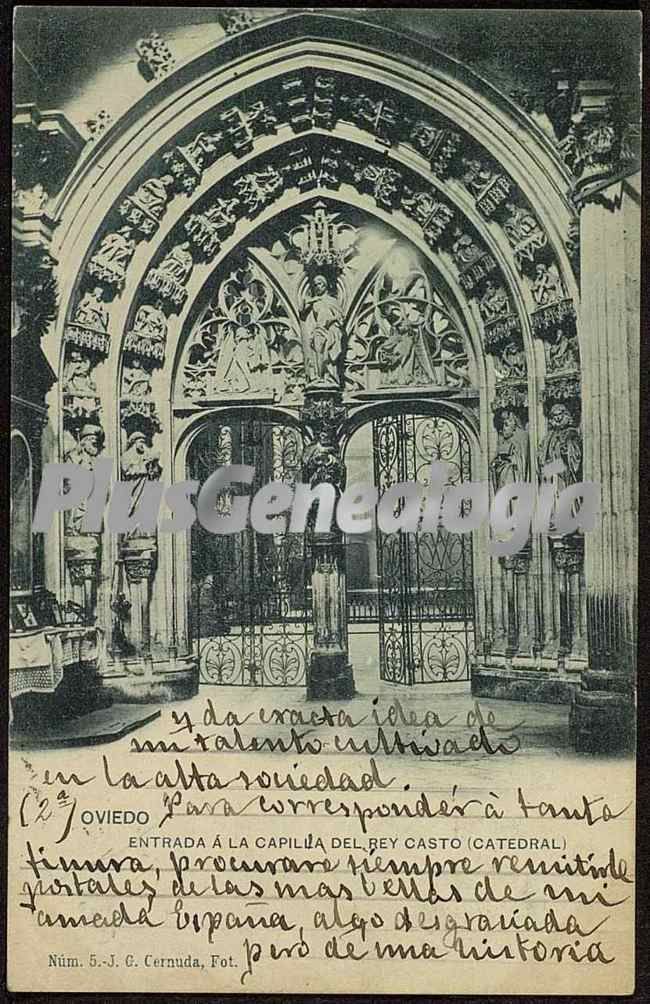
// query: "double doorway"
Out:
[410,596]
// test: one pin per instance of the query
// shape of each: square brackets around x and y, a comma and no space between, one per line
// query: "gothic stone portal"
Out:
[336,313]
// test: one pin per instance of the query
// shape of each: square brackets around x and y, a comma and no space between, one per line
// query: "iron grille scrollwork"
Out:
[251,617]
[425,604]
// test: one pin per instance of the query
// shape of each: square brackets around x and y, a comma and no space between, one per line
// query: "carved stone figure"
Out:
[177,264]
[524,233]
[425,136]
[321,462]
[547,285]
[31,201]
[511,463]
[150,322]
[511,363]
[169,277]
[139,459]
[384,183]
[488,187]
[562,354]
[464,250]
[562,442]
[205,229]
[201,147]
[477,177]
[433,215]
[243,364]
[494,303]
[111,260]
[380,117]
[258,188]
[88,446]
[403,355]
[152,196]
[322,324]
[136,381]
[77,379]
[91,311]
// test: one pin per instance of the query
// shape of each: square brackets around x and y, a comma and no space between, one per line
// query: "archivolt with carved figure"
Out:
[352,243]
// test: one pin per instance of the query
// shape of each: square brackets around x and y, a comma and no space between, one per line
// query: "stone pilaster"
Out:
[603,714]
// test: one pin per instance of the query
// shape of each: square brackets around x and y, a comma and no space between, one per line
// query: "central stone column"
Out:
[329,673]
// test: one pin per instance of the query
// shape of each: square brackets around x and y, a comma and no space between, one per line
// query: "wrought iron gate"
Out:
[250,616]
[425,583]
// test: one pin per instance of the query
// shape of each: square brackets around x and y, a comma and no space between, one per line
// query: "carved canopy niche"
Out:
[326,296]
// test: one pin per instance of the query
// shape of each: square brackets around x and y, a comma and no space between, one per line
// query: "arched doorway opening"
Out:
[386,225]
[410,595]
[249,619]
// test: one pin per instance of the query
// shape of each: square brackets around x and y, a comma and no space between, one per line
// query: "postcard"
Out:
[324,500]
